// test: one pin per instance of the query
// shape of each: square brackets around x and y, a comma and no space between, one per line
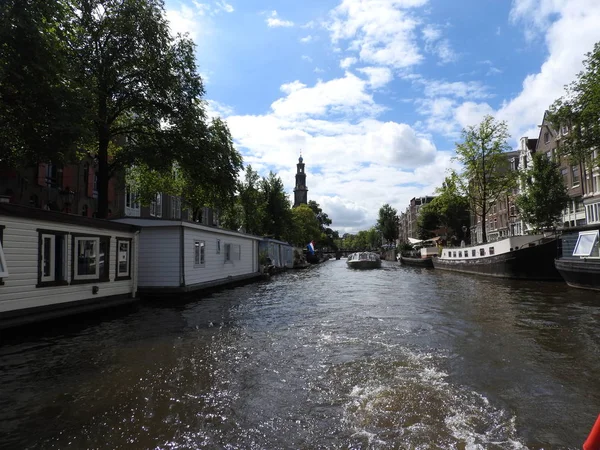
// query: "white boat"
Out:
[364,260]
[528,257]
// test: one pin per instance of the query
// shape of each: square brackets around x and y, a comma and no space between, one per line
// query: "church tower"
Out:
[300,191]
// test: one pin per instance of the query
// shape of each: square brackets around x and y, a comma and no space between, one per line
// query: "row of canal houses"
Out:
[57,259]
[504,219]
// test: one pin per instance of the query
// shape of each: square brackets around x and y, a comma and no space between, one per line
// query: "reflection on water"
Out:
[398,357]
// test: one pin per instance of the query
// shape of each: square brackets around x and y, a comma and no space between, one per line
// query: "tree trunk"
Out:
[103,173]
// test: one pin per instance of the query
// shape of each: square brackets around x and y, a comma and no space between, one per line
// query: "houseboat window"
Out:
[218,246]
[454,254]
[491,250]
[585,243]
[199,253]
[52,260]
[3,266]
[87,258]
[123,258]
[473,253]
[482,252]
[460,254]
[227,252]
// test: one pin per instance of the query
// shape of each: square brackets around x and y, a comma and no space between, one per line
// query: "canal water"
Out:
[323,358]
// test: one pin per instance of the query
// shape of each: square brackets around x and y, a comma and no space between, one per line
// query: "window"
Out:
[3,265]
[482,252]
[123,258]
[132,203]
[218,246]
[454,254]
[575,172]
[95,187]
[198,253]
[491,250]
[546,137]
[227,252]
[460,254]
[176,207]
[52,175]
[564,173]
[52,251]
[585,243]
[91,258]
[473,253]
[156,206]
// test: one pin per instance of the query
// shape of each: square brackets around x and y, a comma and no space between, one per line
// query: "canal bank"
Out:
[399,357]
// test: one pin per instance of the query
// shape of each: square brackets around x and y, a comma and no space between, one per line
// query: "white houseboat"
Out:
[54,264]
[280,254]
[528,257]
[178,256]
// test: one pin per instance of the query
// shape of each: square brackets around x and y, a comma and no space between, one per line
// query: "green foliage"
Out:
[251,202]
[277,218]
[42,108]
[364,240]
[486,174]
[306,226]
[326,236]
[578,113]
[545,195]
[387,223]
[448,210]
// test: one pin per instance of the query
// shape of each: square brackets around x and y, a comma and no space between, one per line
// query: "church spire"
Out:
[300,191]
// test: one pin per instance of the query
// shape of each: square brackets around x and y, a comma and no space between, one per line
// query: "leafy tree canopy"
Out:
[486,173]
[387,223]
[545,195]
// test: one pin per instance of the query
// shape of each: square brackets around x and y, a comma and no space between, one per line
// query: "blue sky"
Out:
[374,93]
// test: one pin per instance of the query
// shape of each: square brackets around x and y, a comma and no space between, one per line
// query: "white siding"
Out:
[20,243]
[159,259]
[215,267]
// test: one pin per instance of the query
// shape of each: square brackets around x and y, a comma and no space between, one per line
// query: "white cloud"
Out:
[222,5]
[470,113]
[185,21]
[288,88]
[378,76]
[306,39]
[434,43]
[469,89]
[347,62]
[382,32]
[570,29]
[274,21]
[306,58]
[341,96]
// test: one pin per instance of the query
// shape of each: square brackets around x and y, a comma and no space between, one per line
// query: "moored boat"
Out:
[416,261]
[364,260]
[422,257]
[528,257]
[579,264]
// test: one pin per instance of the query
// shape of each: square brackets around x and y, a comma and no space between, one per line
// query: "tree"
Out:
[277,220]
[144,89]
[306,227]
[429,220]
[251,201]
[577,116]
[545,195]
[327,235]
[449,209]
[486,174]
[42,109]
[387,223]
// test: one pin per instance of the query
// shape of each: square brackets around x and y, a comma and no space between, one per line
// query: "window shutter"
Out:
[41,178]
[111,190]
[68,178]
[90,185]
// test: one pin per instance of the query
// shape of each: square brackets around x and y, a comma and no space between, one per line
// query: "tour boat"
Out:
[528,257]
[364,260]
[579,264]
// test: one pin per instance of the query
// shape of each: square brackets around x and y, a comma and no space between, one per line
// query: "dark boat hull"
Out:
[417,262]
[580,273]
[364,265]
[529,263]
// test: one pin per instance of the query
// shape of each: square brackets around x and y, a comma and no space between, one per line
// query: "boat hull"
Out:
[417,262]
[362,265]
[529,263]
[580,273]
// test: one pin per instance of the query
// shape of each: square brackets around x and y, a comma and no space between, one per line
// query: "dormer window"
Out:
[546,137]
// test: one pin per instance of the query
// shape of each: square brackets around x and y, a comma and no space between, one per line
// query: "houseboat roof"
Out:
[27,212]
[268,239]
[158,223]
